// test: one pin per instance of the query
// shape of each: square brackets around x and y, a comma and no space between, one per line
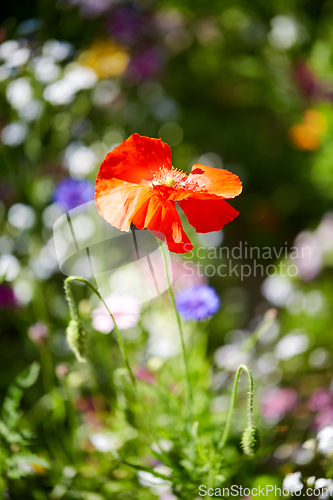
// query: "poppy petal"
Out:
[118,201]
[135,160]
[161,216]
[216,181]
[208,215]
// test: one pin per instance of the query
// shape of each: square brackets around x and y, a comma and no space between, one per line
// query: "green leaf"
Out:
[26,380]
[10,408]
[30,459]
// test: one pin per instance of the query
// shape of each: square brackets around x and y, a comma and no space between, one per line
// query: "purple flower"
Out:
[71,193]
[310,85]
[198,302]
[7,297]
[127,23]
[307,80]
[92,8]
[145,63]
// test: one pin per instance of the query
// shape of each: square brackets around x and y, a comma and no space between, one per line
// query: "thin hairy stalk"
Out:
[189,396]
[250,419]
[145,415]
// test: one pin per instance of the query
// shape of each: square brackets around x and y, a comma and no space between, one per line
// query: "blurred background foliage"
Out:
[247,86]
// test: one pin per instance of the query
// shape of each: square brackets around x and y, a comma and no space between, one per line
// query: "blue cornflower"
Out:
[198,302]
[71,193]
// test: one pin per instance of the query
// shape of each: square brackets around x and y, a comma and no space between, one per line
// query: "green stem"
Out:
[2,468]
[189,396]
[227,426]
[73,310]
[251,341]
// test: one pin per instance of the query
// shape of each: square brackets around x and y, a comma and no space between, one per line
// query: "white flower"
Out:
[8,47]
[19,93]
[58,50]
[105,92]
[59,93]
[291,345]
[25,467]
[324,233]
[18,58]
[284,33]
[23,291]
[9,267]
[292,482]
[325,440]
[125,310]
[163,445]
[322,483]
[75,79]
[14,134]
[311,480]
[157,485]
[79,159]
[81,77]
[276,289]
[46,70]
[229,356]
[105,441]
[21,216]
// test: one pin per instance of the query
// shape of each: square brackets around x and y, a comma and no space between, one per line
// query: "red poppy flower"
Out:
[137,184]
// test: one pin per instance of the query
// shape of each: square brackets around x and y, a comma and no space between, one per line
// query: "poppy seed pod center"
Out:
[170,178]
[169,181]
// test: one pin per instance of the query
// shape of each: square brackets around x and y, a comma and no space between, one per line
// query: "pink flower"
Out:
[146,375]
[309,261]
[277,402]
[38,333]
[323,419]
[61,370]
[125,309]
[320,400]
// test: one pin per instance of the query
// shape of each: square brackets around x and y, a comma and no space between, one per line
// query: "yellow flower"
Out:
[38,469]
[316,119]
[106,58]
[307,135]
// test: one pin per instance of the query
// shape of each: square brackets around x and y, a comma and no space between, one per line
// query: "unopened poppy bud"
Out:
[251,440]
[77,339]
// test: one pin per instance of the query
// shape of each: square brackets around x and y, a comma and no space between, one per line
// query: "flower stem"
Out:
[189,396]
[227,426]
[73,310]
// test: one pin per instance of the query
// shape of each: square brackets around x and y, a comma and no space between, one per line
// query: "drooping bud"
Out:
[77,339]
[251,440]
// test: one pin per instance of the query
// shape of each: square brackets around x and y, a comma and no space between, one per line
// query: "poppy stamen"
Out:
[169,177]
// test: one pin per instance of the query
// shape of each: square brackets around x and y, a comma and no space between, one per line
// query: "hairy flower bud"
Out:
[77,339]
[251,440]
